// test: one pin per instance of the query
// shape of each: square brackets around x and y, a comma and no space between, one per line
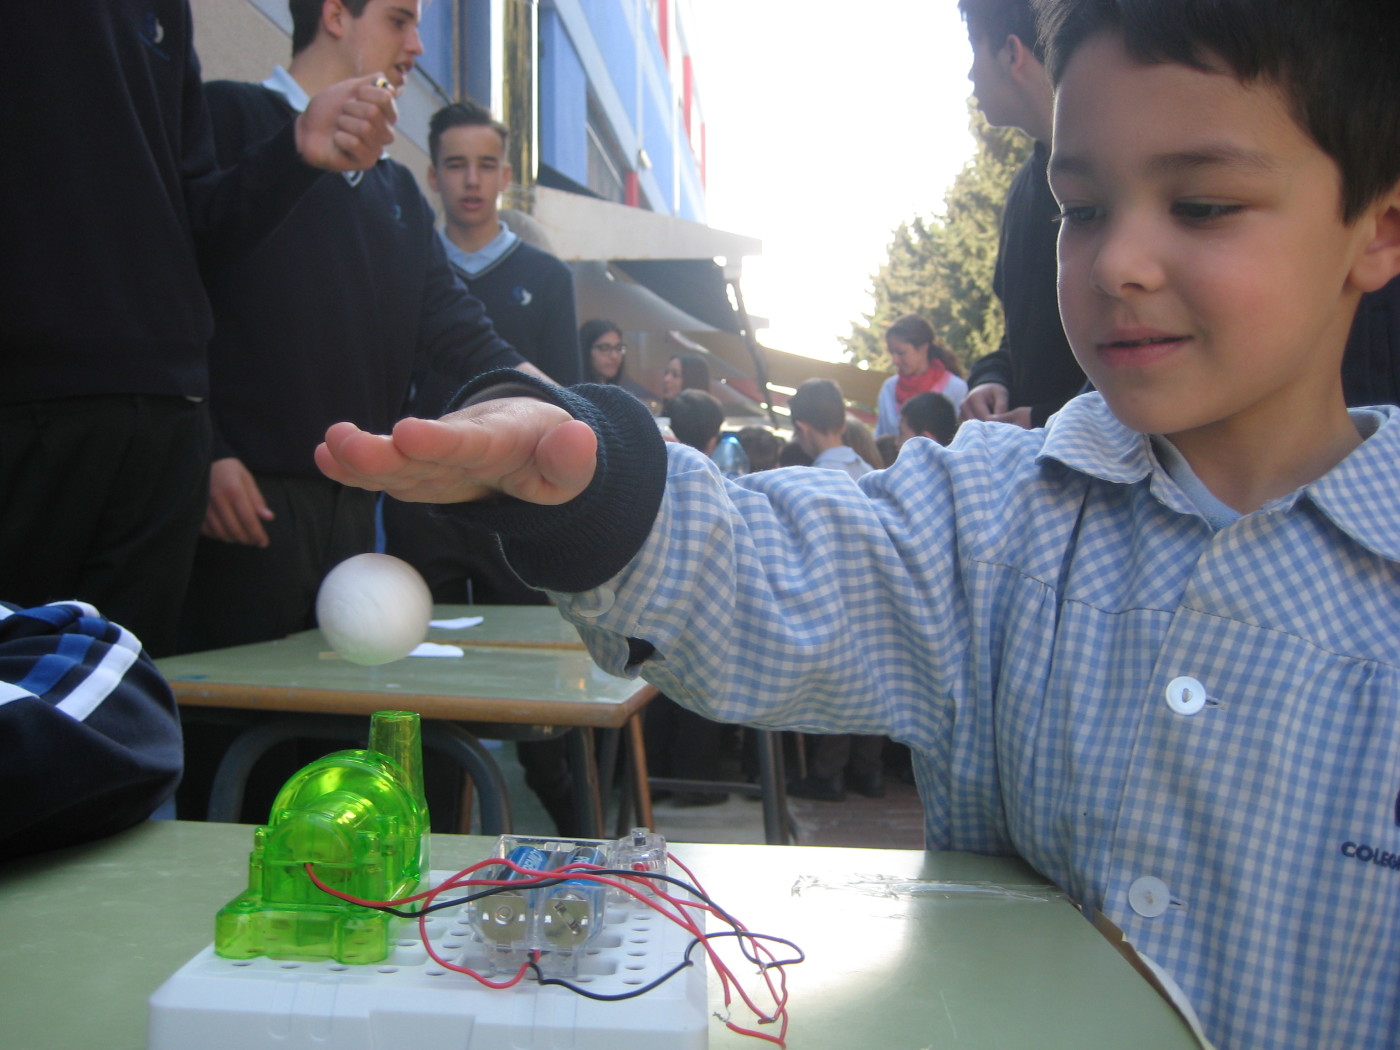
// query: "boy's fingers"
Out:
[567,458]
[352,456]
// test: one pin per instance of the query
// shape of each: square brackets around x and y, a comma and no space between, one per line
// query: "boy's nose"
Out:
[1125,261]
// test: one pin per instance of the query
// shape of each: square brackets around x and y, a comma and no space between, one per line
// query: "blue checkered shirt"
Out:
[1195,732]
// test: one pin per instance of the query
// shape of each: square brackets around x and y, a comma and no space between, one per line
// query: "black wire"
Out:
[642,990]
[685,961]
[543,882]
[750,935]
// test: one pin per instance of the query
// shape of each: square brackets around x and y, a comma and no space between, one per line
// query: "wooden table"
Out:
[905,950]
[522,667]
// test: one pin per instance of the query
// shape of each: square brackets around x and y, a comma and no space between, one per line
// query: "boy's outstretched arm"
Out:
[569,479]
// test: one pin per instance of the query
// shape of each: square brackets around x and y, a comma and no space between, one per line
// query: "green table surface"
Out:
[906,950]
[539,673]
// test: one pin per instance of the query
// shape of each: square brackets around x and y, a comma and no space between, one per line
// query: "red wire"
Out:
[681,917]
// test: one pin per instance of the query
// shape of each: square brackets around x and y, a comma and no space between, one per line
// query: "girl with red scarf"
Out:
[923,364]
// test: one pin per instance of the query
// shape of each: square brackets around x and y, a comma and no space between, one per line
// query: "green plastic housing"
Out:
[360,819]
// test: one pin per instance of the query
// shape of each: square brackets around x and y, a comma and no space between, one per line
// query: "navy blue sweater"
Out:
[110,190]
[89,731]
[529,295]
[324,320]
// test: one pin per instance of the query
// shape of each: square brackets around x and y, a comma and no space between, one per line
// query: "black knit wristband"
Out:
[583,543]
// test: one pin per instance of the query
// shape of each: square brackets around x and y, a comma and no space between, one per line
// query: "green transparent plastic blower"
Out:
[361,819]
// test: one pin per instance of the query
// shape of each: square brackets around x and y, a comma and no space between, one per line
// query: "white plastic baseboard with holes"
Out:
[410,1001]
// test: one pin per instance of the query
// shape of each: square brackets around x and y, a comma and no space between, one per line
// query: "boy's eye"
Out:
[1203,211]
[1078,215]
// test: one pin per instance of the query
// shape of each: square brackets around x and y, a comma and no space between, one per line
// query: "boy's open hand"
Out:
[525,448]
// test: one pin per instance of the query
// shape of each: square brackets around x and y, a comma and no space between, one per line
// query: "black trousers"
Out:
[101,499]
[240,594]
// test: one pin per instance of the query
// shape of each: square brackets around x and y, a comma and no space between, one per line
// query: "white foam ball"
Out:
[374,608]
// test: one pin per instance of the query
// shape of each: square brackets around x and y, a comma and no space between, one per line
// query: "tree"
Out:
[941,267]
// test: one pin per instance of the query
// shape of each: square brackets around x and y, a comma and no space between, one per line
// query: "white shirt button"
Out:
[1149,896]
[595,602]
[1185,695]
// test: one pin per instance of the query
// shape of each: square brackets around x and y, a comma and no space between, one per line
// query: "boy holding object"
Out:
[1151,648]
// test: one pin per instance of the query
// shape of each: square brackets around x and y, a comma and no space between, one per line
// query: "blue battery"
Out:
[573,911]
[504,916]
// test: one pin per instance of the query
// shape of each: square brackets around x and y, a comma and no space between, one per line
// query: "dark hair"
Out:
[793,455]
[695,372]
[888,447]
[761,446]
[995,20]
[465,114]
[1334,62]
[306,19]
[914,330]
[930,413]
[588,334]
[696,416]
[820,404]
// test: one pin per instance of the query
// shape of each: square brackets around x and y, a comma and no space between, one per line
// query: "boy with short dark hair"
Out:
[1151,648]
[696,419]
[928,415]
[818,424]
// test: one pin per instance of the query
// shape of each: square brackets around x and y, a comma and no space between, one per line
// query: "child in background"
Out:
[930,416]
[1151,648]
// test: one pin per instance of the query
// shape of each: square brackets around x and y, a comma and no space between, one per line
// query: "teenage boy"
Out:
[528,293]
[112,195]
[1033,372]
[1151,648]
[323,322]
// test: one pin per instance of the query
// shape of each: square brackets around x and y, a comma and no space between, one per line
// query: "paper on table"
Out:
[436,649]
[458,623]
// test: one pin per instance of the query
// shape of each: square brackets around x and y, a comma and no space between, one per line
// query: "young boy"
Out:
[928,415]
[1151,648]
[818,422]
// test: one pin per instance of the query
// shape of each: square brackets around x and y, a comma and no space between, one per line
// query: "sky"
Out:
[827,126]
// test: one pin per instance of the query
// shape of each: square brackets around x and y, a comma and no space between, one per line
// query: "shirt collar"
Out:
[840,454]
[1360,495]
[284,84]
[473,263]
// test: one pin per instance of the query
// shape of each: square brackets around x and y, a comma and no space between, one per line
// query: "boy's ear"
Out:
[1010,51]
[334,17]
[1379,261]
[432,177]
[1016,54]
